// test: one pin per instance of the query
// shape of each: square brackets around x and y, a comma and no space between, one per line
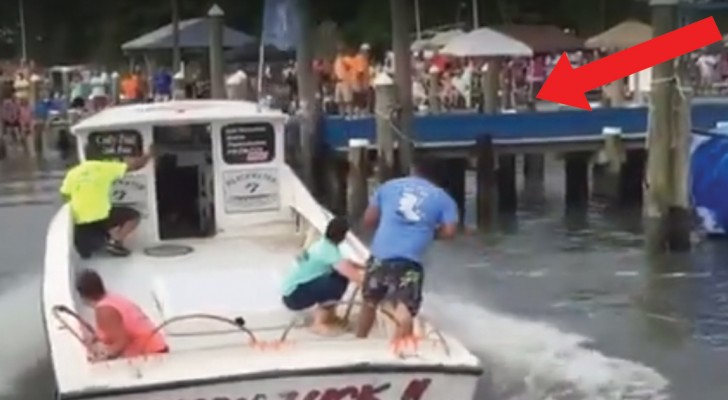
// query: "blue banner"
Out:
[281,24]
[709,180]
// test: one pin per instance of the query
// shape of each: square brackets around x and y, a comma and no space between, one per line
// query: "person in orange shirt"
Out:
[361,78]
[123,329]
[343,92]
[130,88]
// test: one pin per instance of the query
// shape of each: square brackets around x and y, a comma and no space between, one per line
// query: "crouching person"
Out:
[123,329]
[320,277]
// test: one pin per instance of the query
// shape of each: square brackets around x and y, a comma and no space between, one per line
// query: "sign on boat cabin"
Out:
[114,145]
[252,143]
[131,190]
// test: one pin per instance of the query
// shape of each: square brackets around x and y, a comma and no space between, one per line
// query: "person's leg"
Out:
[408,298]
[373,290]
[335,288]
[327,291]
[121,223]
[309,294]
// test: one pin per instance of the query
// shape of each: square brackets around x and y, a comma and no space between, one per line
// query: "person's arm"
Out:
[137,163]
[449,218]
[66,189]
[110,322]
[372,213]
[352,270]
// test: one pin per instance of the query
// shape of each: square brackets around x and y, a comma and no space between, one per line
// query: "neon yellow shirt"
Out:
[88,187]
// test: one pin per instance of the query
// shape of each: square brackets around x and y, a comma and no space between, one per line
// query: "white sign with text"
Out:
[251,190]
[131,191]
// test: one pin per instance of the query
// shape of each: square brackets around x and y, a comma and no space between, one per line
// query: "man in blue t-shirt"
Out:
[408,214]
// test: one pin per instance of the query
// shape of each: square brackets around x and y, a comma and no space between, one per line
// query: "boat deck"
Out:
[233,278]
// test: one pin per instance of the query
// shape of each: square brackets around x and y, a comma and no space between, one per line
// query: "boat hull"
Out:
[354,386]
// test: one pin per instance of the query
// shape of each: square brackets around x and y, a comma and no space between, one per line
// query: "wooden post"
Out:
[577,179]
[178,85]
[217,79]
[433,93]
[607,174]
[384,103]
[633,177]
[451,177]
[491,86]
[176,51]
[358,178]
[485,182]
[401,15]
[335,176]
[114,87]
[666,200]
[507,190]
[34,140]
[307,88]
[534,170]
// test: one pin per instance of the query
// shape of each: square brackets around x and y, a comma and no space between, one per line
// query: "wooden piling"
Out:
[485,182]
[666,198]
[577,179]
[491,87]
[357,188]
[401,16]
[385,100]
[534,170]
[433,92]
[451,177]
[607,173]
[506,178]
[307,81]
[217,79]
[336,176]
[632,180]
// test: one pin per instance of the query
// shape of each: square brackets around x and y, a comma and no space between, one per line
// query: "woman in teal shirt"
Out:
[321,275]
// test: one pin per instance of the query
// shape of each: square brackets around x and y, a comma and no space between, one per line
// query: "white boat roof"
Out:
[177,111]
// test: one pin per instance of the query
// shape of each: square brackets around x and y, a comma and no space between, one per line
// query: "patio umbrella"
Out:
[486,42]
[621,36]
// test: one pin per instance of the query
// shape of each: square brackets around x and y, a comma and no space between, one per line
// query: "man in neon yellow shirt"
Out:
[87,187]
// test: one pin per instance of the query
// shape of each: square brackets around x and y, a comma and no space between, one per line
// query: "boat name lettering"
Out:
[415,390]
[258,176]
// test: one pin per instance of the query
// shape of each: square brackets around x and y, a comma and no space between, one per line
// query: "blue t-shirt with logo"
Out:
[410,211]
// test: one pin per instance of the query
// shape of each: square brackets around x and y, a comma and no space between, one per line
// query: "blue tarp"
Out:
[709,179]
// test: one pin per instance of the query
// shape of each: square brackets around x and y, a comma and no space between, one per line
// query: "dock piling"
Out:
[534,170]
[357,189]
[485,182]
[507,189]
[385,100]
[607,172]
[577,179]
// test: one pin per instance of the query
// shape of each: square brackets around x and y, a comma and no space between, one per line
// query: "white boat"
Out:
[211,276]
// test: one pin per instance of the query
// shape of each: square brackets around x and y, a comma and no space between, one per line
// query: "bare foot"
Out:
[325,330]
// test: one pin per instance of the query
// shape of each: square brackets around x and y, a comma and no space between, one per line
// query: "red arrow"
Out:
[568,86]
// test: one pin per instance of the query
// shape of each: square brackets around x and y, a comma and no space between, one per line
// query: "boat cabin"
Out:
[215,168]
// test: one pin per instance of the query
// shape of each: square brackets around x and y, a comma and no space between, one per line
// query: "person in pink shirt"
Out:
[123,330]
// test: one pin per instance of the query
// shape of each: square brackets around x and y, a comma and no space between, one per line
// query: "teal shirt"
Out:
[319,259]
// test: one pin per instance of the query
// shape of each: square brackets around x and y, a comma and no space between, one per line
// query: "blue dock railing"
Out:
[545,126]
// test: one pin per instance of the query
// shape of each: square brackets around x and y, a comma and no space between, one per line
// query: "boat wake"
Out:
[25,349]
[527,360]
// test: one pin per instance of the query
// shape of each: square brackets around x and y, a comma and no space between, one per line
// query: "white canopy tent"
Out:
[486,42]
